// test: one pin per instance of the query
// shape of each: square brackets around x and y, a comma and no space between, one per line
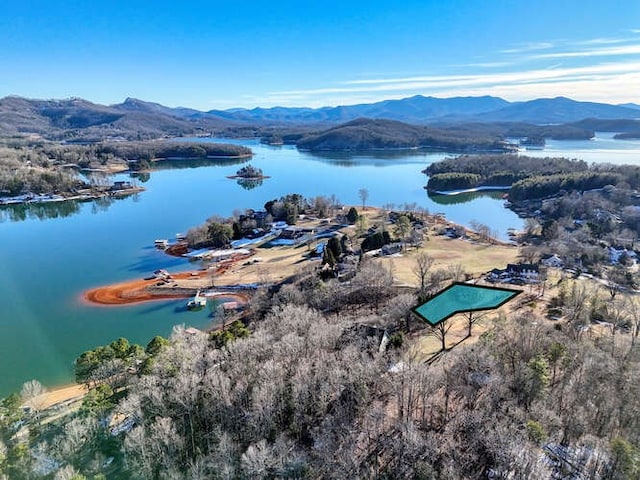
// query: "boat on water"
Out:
[161,243]
[198,302]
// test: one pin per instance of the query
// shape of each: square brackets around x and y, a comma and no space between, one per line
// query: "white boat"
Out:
[198,302]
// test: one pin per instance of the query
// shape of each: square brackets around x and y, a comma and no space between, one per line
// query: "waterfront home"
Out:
[121,185]
[391,248]
[518,274]
[527,272]
[621,255]
[293,236]
[552,261]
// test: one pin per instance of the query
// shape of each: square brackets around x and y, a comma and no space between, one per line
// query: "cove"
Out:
[50,255]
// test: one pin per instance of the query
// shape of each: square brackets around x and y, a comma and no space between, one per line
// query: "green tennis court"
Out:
[463,297]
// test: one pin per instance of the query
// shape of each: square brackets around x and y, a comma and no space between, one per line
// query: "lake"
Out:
[601,149]
[50,254]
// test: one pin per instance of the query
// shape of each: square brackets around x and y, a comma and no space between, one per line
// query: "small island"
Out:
[249,177]
[249,172]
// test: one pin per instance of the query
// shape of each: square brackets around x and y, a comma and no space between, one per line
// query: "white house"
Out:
[552,261]
[615,254]
[526,272]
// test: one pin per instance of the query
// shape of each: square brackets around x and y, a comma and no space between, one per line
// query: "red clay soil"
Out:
[177,250]
[137,291]
[134,291]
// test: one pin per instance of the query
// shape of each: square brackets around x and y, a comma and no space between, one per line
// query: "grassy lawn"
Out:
[475,258]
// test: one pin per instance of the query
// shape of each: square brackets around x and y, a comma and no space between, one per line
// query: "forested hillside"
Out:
[306,393]
[527,177]
[367,134]
[47,167]
[83,121]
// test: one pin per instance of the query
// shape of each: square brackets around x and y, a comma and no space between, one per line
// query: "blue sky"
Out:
[224,54]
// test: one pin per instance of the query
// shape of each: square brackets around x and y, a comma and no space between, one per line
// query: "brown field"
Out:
[275,264]
[475,258]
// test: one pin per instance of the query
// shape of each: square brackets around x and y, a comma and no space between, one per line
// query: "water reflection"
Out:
[49,210]
[101,204]
[375,158]
[464,197]
[142,177]
[249,183]
[40,211]
[179,163]
[66,208]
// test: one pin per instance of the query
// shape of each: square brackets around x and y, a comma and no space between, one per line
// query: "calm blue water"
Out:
[601,149]
[46,263]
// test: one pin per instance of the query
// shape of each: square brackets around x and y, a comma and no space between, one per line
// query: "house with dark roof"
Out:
[518,274]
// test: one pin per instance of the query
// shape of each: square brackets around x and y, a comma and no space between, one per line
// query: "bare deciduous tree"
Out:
[363,194]
[32,393]
[456,272]
[402,228]
[421,269]
[440,331]
[472,318]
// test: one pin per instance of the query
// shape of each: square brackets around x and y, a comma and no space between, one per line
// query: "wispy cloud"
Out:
[596,52]
[485,65]
[528,47]
[603,41]
[610,89]
[516,73]
[558,80]
[426,78]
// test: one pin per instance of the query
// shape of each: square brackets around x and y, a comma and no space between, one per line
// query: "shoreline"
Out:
[132,292]
[260,177]
[43,199]
[469,190]
[208,157]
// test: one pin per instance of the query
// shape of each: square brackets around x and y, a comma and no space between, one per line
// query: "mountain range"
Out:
[82,120]
[429,110]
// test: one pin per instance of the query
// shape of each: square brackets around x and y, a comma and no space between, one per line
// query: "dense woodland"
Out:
[305,392]
[528,177]
[23,171]
[45,167]
[367,134]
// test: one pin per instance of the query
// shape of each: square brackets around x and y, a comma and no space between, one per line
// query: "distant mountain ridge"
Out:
[81,120]
[75,119]
[429,110]
[416,109]
[559,110]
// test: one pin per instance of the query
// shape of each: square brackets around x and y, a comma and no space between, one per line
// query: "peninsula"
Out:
[35,171]
[278,256]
